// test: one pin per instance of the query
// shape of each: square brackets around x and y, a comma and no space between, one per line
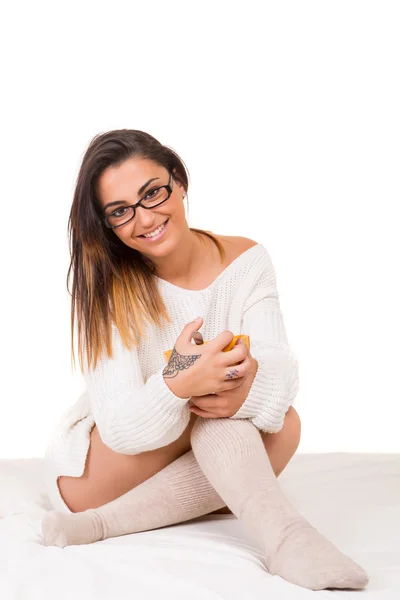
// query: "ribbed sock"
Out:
[178,493]
[232,455]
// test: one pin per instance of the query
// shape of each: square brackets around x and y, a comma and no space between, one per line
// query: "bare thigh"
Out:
[109,474]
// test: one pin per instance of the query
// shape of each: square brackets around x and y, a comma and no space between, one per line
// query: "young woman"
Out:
[150,444]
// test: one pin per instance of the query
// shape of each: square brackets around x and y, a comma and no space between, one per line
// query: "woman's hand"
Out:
[227,403]
[198,370]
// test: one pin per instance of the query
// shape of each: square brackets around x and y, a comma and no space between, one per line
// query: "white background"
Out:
[287,117]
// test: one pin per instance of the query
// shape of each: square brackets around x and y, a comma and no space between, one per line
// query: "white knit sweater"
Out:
[127,397]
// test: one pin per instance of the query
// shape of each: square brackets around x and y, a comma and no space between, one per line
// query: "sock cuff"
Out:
[224,441]
[99,525]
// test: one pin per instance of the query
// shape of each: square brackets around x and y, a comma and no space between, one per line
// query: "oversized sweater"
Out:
[127,397]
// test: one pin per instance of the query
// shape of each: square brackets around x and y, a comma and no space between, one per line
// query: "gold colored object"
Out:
[198,338]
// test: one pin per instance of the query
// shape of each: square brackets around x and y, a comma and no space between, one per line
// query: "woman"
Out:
[150,444]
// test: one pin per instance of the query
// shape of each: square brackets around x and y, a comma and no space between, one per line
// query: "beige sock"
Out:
[178,493]
[232,455]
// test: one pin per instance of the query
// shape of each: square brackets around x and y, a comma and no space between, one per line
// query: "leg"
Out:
[109,475]
[176,493]
[232,456]
[280,446]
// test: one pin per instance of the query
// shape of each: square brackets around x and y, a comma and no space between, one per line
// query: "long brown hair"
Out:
[113,283]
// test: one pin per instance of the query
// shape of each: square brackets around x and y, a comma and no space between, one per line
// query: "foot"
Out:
[306,558]
[63,529]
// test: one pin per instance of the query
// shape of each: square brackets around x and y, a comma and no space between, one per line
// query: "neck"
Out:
[185,259]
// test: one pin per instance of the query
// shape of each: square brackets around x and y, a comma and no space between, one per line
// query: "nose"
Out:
[144,217]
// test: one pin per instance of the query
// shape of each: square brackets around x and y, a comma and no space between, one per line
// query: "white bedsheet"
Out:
[353,499]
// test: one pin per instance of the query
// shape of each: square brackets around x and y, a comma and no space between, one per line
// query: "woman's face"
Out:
[123,183]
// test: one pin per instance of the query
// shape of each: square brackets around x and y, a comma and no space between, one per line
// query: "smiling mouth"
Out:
[142,236]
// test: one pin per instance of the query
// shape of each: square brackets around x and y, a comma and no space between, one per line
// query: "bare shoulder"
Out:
[235,245]
[243,243]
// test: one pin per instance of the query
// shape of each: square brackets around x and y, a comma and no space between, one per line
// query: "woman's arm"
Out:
[133,416]
[276,382]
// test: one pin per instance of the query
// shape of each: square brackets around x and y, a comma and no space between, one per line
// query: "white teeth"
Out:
[156,231]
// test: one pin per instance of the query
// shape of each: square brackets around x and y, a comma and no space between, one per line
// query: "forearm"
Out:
[133,416]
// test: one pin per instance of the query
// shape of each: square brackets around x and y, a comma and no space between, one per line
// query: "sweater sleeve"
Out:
[133,416]
[276,382]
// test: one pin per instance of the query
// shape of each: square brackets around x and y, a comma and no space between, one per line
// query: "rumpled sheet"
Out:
[353,499]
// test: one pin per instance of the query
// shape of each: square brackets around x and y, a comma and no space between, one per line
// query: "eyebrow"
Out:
[140,191]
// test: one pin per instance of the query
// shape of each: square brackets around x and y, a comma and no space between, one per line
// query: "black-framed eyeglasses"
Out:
[154,197]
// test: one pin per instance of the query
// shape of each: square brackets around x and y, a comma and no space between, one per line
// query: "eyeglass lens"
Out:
[123,214]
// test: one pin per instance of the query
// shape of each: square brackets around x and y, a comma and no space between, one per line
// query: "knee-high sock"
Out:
[232,455]
[178,493]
